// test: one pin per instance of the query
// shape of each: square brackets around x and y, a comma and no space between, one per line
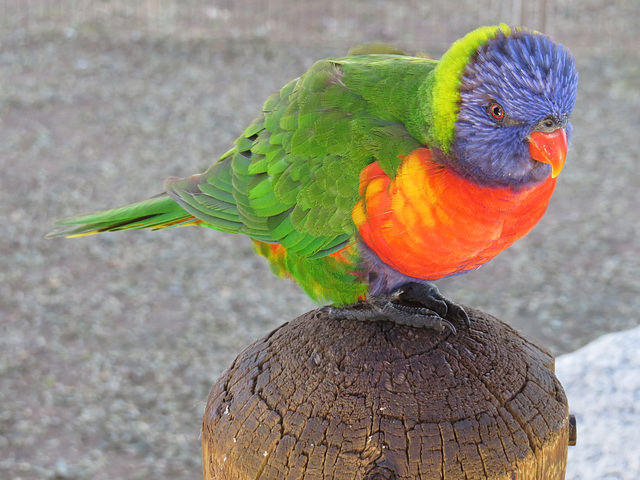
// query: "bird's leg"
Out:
[414,304]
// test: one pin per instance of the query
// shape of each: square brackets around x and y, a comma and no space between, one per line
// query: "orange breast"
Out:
[429,223]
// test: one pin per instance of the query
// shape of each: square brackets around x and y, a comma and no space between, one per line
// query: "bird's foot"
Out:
[419,305]
[427,295]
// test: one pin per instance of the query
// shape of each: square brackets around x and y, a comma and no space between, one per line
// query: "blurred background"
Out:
[109,344]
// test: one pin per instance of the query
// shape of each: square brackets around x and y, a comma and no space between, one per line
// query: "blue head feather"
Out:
[532,78]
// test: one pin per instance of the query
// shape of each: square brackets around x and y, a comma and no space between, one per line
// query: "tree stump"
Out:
[322,398]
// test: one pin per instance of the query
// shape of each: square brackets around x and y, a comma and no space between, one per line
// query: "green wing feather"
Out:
[294,173]
[292,177]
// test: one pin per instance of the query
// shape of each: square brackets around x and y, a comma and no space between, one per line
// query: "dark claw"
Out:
[418,305]
[460,314]
[428,296]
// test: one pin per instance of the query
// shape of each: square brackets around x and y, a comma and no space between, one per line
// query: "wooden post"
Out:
[323,398]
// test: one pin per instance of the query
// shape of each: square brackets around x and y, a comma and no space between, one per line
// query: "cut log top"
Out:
[331,398]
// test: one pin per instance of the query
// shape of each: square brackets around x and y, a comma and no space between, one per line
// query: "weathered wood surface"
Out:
[322,398]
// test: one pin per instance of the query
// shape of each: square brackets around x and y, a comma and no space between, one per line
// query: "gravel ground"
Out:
[109,344]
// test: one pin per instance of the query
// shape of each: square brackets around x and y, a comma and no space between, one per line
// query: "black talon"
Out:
[460,314]
[419,305]
[427,296]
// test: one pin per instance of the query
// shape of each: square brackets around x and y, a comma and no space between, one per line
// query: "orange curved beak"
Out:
[549,147]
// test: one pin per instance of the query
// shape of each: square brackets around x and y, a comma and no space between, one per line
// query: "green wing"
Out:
[293,176]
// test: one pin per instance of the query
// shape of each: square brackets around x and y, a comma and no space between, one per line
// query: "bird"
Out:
[372,175]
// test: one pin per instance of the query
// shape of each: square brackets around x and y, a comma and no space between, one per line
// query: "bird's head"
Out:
[500,105]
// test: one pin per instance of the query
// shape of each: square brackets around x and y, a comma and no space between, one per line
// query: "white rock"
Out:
[602,381]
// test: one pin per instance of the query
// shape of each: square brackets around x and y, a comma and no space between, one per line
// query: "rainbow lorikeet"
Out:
[377,173]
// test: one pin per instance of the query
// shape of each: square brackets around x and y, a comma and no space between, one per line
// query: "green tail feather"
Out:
[156,212]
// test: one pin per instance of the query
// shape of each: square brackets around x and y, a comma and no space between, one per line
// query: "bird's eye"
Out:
[496,111]
[548,122]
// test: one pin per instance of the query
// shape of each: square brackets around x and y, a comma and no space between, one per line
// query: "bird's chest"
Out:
[429,223]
